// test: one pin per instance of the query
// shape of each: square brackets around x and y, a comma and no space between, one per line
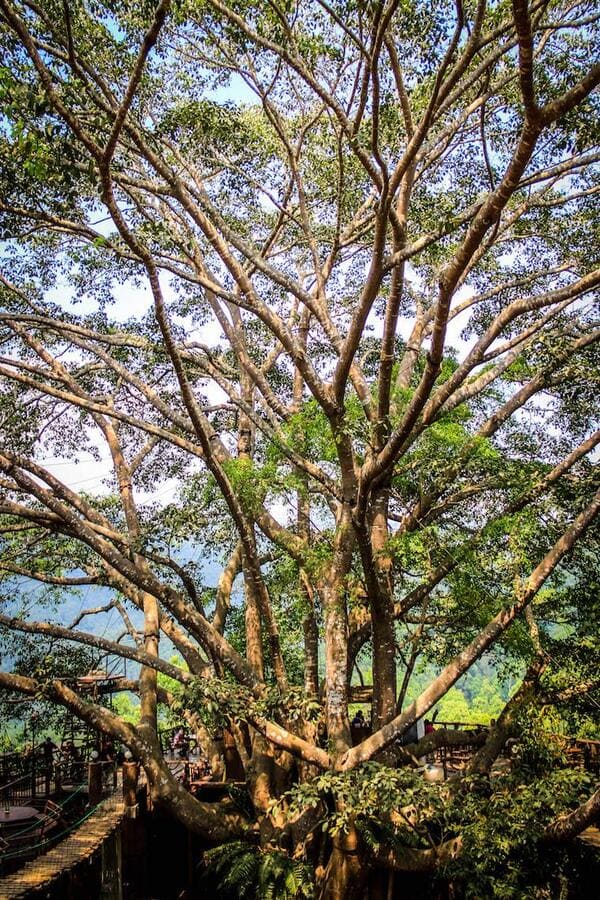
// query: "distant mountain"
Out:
[72,603]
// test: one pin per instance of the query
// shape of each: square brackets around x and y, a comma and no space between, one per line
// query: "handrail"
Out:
[42,819]
[10,784]
[455,724]
[55,837]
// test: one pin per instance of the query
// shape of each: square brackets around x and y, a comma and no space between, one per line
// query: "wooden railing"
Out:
[38,782]
[462,726]
[583,753]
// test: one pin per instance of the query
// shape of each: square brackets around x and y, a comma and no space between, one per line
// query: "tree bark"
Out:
[345,874]
[336,636]
[569,826]
[382,617]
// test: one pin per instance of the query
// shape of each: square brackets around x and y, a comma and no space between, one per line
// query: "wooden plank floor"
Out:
[79,845]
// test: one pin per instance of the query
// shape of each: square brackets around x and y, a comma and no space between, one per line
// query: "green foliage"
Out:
[309,431]
[365,797]
[500,824]
[253,873]
[252,483]
[254,166]
[218,129]
[219,702]
[502,856]
[57,659]
[125,706]
[216,701]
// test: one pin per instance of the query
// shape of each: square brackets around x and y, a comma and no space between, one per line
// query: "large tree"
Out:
[359,237]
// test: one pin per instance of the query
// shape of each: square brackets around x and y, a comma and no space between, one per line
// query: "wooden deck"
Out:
[78,846]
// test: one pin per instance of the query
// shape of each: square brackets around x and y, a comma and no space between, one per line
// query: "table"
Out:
[17,814]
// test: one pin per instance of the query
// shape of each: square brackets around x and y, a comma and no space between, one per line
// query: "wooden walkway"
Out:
[75,848]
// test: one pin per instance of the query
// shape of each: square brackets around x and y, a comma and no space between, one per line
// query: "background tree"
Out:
[310,203]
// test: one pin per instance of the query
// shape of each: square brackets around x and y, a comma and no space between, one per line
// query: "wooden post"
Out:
[190,863]
[130,780]
[234,769]
[33,778]
[94,782]
[112,866]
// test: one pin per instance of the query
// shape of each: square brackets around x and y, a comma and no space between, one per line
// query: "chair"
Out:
[49,817]
[53,816]
[53,809]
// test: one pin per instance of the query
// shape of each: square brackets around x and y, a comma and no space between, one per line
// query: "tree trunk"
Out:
[311,646]
[336,637]
[346,873]
[382,615]
[254,648]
